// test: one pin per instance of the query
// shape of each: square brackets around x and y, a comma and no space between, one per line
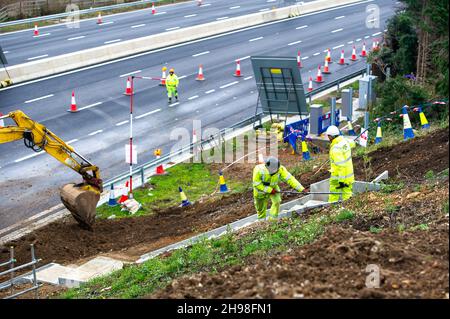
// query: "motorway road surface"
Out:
[29,181]
[21,47]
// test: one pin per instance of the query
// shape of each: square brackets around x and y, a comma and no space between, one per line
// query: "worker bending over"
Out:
[265,185]
[172,85]
[342,177]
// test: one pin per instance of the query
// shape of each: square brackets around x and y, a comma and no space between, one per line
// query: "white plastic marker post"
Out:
[131,137]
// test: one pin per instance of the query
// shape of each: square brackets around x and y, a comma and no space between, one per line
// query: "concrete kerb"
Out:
[72,61]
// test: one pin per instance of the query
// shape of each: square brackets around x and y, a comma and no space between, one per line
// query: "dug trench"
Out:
[128,238]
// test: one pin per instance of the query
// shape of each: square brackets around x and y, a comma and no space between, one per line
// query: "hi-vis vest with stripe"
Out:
[172,80]
[263,182]
[341,160]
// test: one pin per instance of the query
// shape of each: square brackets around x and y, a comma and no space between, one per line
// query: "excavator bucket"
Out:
[81,203]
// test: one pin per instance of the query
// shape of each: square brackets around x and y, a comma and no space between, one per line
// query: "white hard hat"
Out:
[272,164]
[332,131]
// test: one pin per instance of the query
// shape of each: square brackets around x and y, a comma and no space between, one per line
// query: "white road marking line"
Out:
[269,1]
[89,106]
[210,91]
[112,41]
[222,18]
[28,157]
[158,13]
[235,7]
[127,74]
[138,26]
[122,123]
[244,58]
[372,20]
[367,36]
[375,34]
[205,5]
[5,52]
[316,54]
[190,15]
[338,46]
[296,42]
[76,38]
[306,57]
[301,27]
[39,98]
[41,35]
[199,54]
[38,57]
[174,104]
[182,77]
[248,78]
[357,40]
[193,97]
[340,17]
[385,30]
[337,30]
[95,133]
[229,84]
[106,23]
[147,114]
[170,29]
[72,141]
[255,39]
[262,10]
[349,42]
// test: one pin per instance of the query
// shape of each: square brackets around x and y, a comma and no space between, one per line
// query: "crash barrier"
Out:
[12,269]
[71,61]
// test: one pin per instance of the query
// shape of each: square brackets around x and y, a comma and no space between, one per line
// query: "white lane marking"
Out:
[305,58]
[301,27]
[89,106]
[248,78]
[72,141]
[357,40]
[41,35]
[170,29]
[127,74]
[262,10]
[112,41]
[367,36]
[147,114]
[316,54]
[174,104]
[106,23]
[5,52]
[122,123]
[182,77]
[210,91]
[190,15]
[337,30]
[95,133]
[138,26]
[28,157]
[269,1]
[296,42]
[372,20]
[38,57]
[199,54]
[375,34]
[222,18]
[235,7]
[229,84]
[349,42]
[76,38]
[193,97]
[11,87]
[255,39]
[205,5]
[39,98]
[340,17]
[338,46]
[244,58]
[158,13]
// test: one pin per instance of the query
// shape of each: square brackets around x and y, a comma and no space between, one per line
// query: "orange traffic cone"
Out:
[319,78]
[363,52]
[326,69]
[342,59]
[199,2]
[354,58]
[163,77]
[36,30]
[124,196]
[128,90]
[237,73]
[200,76]
[160,168]
[73,104]
[99,18]
[310,85]
[153,8]
[299,61]
[328,58]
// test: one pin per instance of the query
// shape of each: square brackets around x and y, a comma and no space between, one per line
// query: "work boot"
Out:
[170,100]
[176,97]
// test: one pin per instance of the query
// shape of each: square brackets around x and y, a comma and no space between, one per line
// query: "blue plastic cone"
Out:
[407,129]
[379,136]
[184,201]
[112,199]
[223,185]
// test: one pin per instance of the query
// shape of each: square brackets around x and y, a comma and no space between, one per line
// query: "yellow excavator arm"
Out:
[80,199]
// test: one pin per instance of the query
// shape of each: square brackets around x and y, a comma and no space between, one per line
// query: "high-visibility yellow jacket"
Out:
[263,182]
[172,80]
[341,160]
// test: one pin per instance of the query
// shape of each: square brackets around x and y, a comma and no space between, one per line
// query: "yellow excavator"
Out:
[80,199]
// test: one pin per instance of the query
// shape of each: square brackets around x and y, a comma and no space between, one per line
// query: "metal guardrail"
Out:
[140,170]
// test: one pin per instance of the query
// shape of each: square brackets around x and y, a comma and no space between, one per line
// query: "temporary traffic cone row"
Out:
[163,77]
[36,30]
[305,151]
[354,58]
[73,104]
[379,136]
[299,61]
[124,196]
[160,168]
[319,78]
[99,18]
[407,128]
[200,76]
[423,119]
[112,199]
[342,59]
[237,73]
[128,90]
[223,185]
[363,51]
[184,201]
[326,69]
[310,85]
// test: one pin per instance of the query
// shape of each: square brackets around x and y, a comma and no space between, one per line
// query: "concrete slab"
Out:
[49,273]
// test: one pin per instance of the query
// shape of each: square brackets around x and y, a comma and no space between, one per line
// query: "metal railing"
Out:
[10,283]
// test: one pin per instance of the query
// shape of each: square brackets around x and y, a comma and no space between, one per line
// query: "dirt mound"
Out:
[128,238]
